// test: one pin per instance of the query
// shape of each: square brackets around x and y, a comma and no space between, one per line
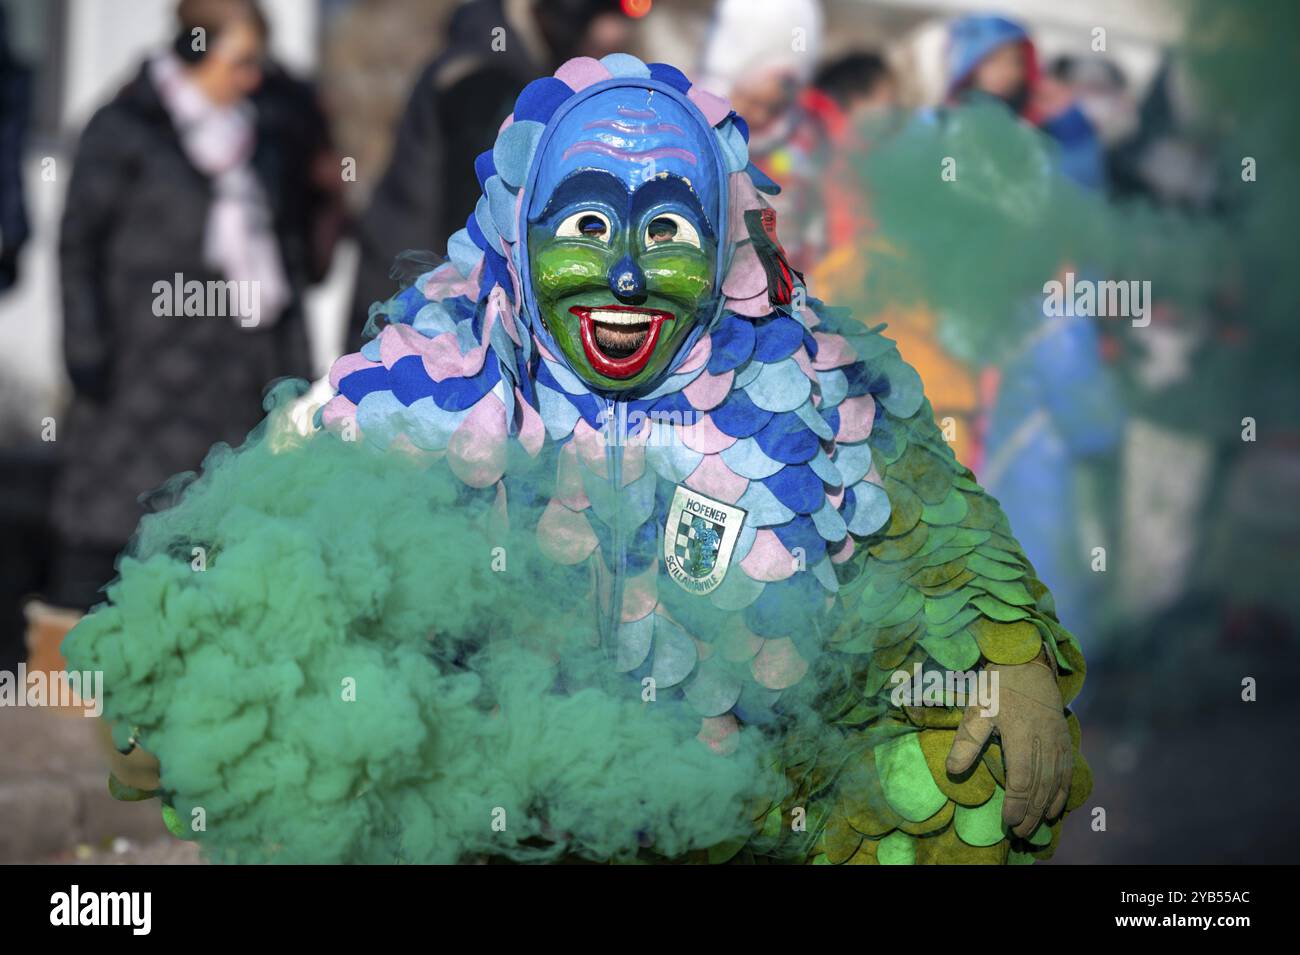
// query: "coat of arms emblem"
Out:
[699,538]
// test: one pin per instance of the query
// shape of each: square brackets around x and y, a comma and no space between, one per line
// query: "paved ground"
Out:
[1186,771]
[54,801]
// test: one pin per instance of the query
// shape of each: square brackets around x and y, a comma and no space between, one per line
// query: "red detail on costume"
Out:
[781,277]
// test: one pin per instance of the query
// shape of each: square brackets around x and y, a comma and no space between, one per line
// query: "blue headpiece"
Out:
[633,120]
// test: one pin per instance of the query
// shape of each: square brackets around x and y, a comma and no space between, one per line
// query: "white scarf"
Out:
[238,238]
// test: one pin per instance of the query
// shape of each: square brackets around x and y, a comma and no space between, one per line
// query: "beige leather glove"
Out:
[1035,738]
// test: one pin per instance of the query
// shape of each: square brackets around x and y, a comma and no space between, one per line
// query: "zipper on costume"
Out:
[618,559]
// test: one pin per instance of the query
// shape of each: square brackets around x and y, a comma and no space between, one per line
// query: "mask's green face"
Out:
[621,278]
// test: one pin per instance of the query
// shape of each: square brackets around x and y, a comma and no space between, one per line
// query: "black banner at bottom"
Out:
[218,904]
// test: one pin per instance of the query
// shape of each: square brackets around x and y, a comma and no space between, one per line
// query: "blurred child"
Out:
[993,57]
[761,54]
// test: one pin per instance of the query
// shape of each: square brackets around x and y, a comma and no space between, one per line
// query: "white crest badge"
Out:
[699,539]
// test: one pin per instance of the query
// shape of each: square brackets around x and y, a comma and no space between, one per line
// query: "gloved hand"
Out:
[1036,745]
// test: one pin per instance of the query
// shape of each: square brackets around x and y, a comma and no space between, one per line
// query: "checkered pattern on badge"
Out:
[685,531]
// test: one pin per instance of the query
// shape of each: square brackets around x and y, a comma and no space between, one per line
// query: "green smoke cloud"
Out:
[330,566]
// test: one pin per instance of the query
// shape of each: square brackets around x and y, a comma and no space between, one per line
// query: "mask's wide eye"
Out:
[589,224]
[670,227]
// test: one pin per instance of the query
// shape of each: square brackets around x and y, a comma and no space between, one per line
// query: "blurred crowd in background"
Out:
[1149,464]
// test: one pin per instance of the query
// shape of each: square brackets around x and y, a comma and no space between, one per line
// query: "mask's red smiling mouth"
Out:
[619,339]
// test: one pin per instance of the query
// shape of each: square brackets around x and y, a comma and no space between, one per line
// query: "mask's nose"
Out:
[626,279]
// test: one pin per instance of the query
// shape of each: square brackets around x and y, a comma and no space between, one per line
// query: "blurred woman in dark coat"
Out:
[181,178]
[15,103]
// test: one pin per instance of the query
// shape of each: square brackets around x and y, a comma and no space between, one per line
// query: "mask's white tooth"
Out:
[609,317]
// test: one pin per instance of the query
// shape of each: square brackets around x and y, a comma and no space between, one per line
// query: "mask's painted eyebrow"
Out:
[670,189]
[587,185]
[636,129]
[629,155]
